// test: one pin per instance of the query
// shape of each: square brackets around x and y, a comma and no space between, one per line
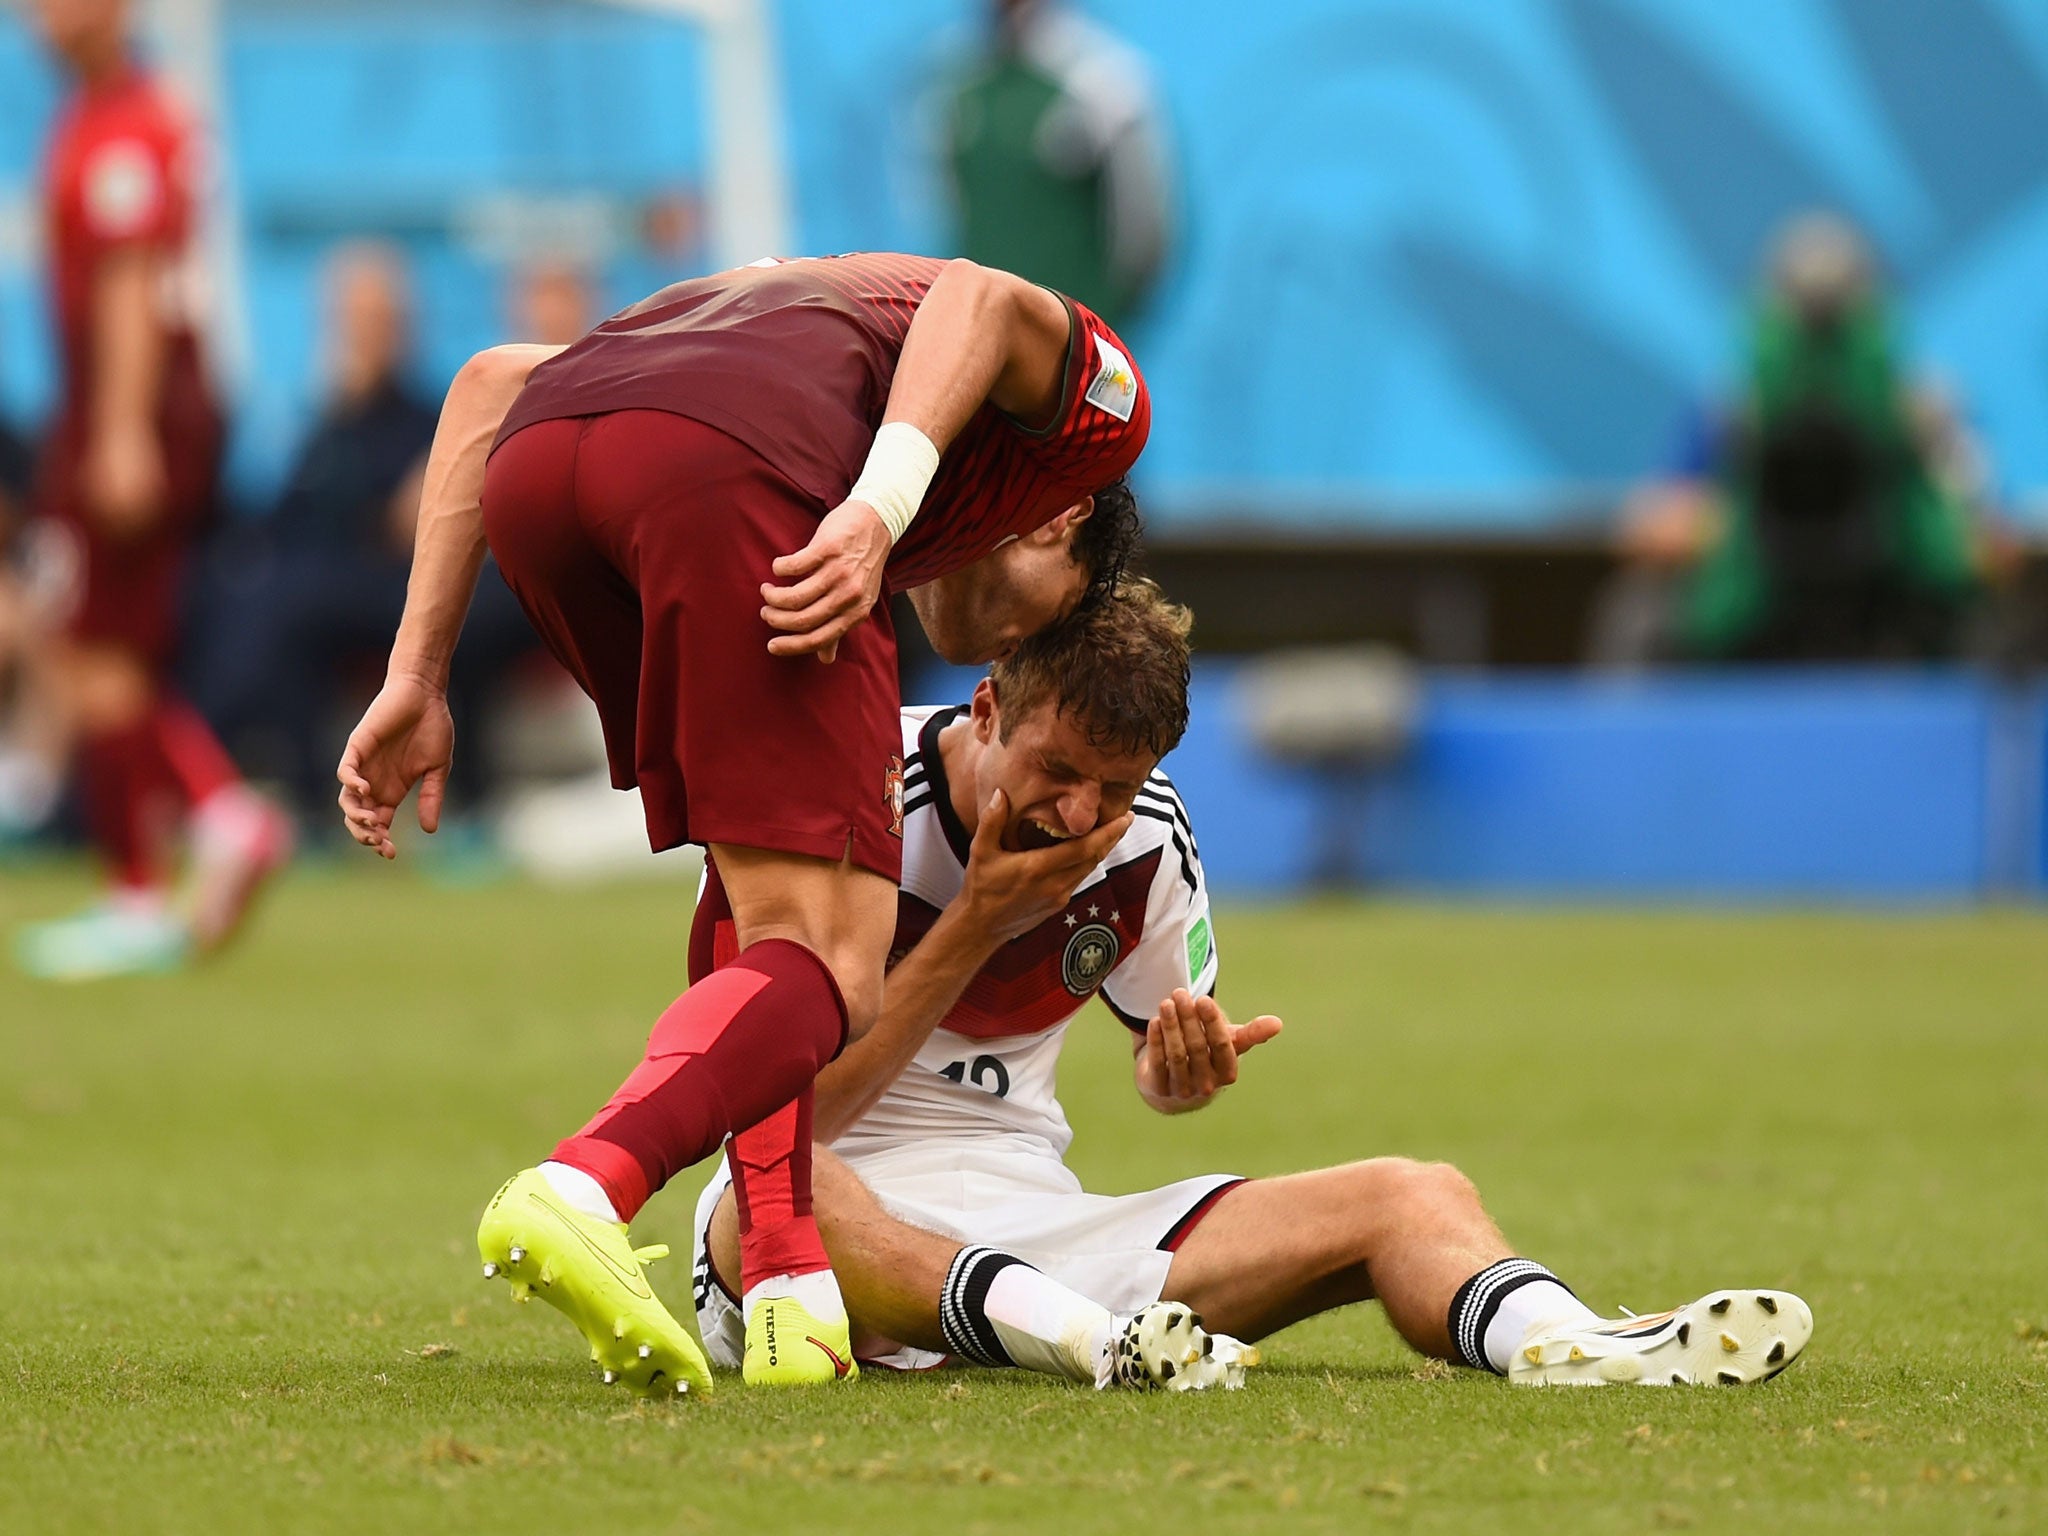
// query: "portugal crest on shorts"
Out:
[1090,953]
[892,795]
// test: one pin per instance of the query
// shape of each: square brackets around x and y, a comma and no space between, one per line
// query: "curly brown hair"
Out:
[1117,667]
[1107,540]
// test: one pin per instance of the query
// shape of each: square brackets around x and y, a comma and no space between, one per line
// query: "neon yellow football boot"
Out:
[588,1270]
[788,1347]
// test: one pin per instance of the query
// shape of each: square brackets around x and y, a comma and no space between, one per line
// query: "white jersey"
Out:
[1137,928]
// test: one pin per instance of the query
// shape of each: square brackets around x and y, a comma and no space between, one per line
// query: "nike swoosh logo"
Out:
[635,1283]
[839,1365]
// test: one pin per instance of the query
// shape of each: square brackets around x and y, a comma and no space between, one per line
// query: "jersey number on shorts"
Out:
[998,1075]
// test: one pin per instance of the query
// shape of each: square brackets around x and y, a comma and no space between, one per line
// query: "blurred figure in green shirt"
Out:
[1843,538]
[1836,510]
[1056,150]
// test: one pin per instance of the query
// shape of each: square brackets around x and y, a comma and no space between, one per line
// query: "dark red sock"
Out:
[122,782]
[770,1161]
[192,754]
[738,1046]
[771,1180]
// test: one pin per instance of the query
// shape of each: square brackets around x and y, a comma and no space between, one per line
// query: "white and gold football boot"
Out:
[1726,1338]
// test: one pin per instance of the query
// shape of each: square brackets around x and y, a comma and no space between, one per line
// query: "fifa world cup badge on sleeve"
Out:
[892,795]
[1115,388]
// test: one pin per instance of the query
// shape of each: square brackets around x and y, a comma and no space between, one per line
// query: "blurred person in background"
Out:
[31,730]
[127,477]
[1836,513]
[553,301]
[1056,152]
[297,596]
[307,597]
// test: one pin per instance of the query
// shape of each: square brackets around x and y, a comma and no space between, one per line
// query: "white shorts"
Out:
[1113,1249]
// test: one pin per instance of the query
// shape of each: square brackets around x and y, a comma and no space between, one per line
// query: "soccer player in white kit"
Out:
[955,1226]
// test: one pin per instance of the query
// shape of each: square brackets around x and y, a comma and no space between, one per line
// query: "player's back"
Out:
[796,358]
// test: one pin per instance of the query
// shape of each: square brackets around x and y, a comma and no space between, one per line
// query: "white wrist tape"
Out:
[899,470]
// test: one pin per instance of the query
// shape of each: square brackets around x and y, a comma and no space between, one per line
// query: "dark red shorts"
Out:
[637,542]
[129,591]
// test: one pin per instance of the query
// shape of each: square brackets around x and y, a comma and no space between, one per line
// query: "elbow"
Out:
[496,372]
[966,275]
[986,291]
[495,375]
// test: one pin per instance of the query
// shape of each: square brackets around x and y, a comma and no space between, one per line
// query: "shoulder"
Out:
[1163,818]
[1106,409]
[914,717]
[932,864]
[916,721]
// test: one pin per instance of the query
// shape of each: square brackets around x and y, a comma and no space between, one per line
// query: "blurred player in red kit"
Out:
[128,475]
[701,505]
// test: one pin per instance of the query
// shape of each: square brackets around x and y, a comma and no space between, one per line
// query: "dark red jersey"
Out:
[795,359]
[121,174]
[122,171]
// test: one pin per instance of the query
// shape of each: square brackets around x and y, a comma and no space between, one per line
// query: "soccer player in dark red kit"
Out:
[127,476]
[701,505]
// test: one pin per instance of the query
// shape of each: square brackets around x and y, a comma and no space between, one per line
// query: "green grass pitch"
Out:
[240,1291]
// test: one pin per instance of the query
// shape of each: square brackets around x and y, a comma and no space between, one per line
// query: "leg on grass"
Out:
[902,1283]
[1274,1251]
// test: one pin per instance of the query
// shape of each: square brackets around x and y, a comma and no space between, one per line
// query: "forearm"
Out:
[128,345]
[980,336]
[920,991]
[448,545]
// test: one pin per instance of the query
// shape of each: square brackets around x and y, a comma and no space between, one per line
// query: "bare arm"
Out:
[1003,895]
[448,546]
[979,337]
[921,990]
[124,462]
[406,737]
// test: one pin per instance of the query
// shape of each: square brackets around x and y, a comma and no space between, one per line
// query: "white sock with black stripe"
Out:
[996,1310]
[1494,1311]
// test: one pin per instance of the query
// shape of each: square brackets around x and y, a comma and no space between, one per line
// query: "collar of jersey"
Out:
[958,837]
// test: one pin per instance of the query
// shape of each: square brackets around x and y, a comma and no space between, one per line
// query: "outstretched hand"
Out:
[406,737]
[831,583]
[1190,1051]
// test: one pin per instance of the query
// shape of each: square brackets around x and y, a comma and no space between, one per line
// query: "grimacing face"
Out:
[983,612]
[1058,783]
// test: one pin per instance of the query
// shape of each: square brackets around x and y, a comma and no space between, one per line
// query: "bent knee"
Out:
[1407,1180]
